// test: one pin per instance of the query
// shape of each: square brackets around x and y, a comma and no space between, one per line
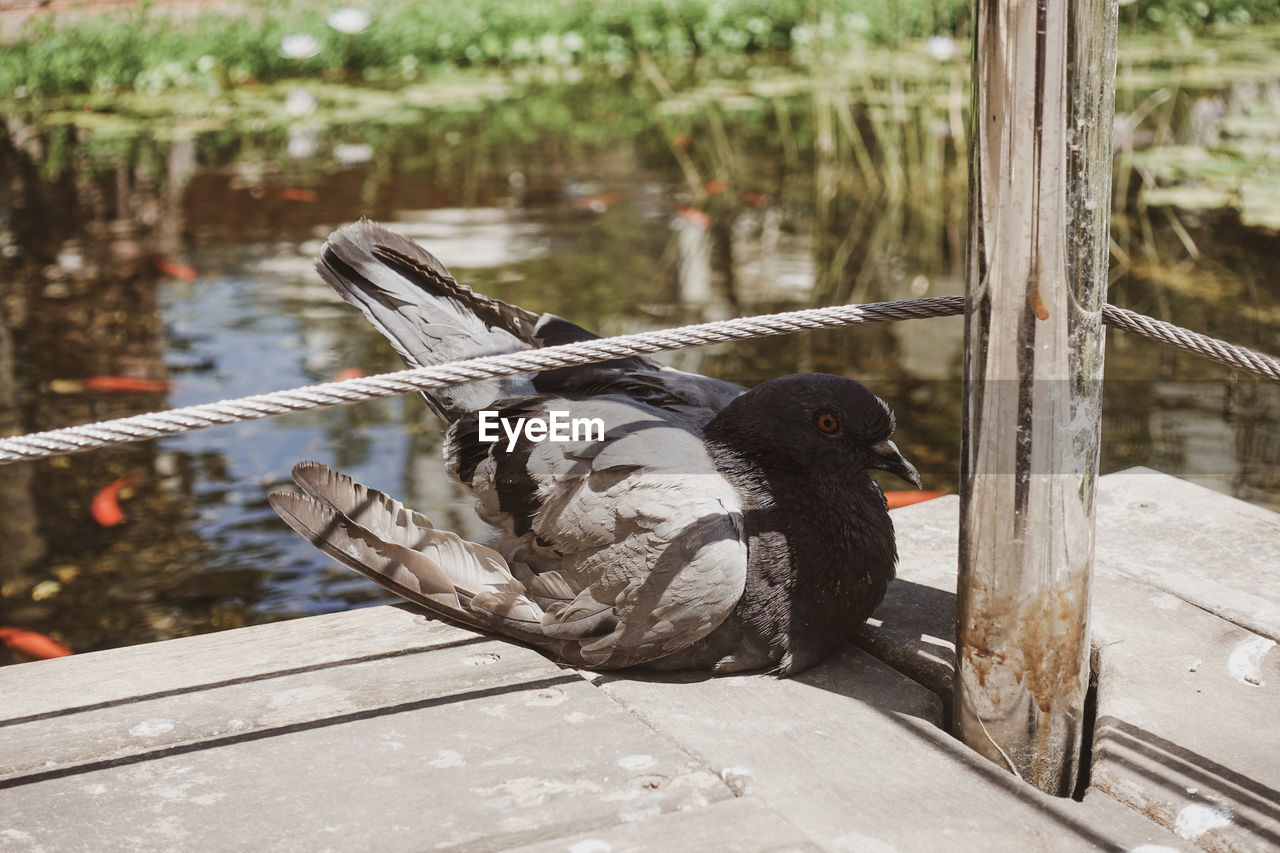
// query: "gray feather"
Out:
[398,569]
[709,528]
[426,315]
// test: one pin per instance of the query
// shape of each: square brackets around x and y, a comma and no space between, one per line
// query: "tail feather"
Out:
[393,567]
[422,268]
[456,564]
[399,550]
[379,512]
[428,317]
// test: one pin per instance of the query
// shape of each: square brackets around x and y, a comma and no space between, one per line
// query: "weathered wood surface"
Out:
[227,657]
[478,743]
[1188,728]
[1040,162]
[1188,715]
[380,729]
[1188,718]
[740,825]
[855,755]
[1214,551]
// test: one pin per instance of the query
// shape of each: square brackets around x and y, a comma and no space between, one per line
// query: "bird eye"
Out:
[826,422]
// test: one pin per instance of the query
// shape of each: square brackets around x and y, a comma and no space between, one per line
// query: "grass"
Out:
[149,51]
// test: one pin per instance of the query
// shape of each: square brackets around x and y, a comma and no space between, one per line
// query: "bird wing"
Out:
[427,316]
[619,549]
[625,561]
[632,543]
[430,318]
[381,539]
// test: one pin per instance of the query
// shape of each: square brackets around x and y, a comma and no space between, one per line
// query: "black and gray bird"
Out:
[708,528]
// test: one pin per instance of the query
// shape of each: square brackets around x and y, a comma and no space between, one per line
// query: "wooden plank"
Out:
[477,743]
[740,825]
[1205,547]
[238,709]
[851,752]
[259,651]
[1188,718]
[1187,730]
[1209,549]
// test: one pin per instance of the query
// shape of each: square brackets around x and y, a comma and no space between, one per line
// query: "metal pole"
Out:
[1040,200]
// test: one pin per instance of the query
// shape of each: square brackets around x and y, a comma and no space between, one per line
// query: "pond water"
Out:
[176,247]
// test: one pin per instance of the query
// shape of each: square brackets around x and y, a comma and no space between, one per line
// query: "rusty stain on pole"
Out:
[1040,199]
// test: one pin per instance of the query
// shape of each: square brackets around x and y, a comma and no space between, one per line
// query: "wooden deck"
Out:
[382,729]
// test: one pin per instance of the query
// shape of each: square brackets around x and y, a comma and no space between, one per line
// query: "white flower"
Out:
[299,103]
[940,48]
[572,42]
[302,142]
[352,155]
[299,46]
[349,21]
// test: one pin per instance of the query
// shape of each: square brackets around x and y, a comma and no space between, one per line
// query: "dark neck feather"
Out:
[821,553]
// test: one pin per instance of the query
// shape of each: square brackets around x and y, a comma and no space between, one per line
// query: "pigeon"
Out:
[645,517]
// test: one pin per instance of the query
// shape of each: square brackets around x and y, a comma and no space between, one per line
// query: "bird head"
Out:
[812,423]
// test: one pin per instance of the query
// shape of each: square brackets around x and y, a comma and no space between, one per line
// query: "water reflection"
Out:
[188,262]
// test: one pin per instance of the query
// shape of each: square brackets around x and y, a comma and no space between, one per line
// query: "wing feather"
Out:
[633,546]
[611,551]
[401,570]
[471,567]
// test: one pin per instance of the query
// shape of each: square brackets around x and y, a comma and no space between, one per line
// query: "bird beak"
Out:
[887,457]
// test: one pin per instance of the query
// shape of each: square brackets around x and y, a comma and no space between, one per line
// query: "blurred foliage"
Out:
[150,51]
[1196,15]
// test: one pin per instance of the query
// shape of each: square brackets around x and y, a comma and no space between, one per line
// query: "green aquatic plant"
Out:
[1200,14]
[148,49]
